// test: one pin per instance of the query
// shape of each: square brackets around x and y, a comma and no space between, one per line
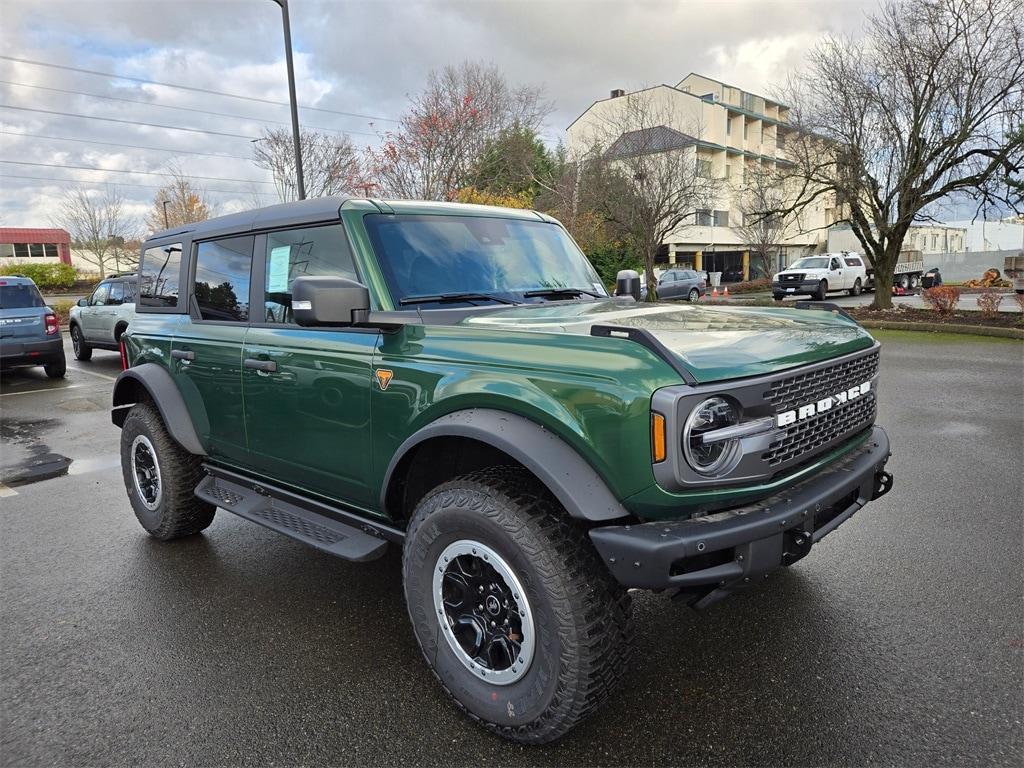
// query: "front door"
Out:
[206,353]
[92,315]
[307,390]
[836,279]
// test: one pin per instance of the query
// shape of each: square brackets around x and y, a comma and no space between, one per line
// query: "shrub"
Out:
[942,298]
[63,309]
[49,277]
[989,301]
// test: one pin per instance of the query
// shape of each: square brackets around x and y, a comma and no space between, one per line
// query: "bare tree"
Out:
[922,108]
[645,176]
[761,200]
[447,129]
[98,225]
[186,203]
[330,163]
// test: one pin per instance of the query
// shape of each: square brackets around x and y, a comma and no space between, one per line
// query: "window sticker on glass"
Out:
[277,272]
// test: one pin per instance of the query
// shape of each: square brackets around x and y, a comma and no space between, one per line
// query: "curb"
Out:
[969,330]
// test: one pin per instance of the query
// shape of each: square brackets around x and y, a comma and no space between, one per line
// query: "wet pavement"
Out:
[897,641]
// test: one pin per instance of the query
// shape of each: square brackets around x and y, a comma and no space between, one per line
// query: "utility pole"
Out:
[300,181]
[167,224]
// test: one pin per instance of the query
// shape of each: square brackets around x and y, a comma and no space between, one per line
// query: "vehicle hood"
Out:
[812,272]
[713,343]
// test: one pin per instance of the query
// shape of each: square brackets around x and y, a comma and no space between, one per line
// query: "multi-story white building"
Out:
[730,131]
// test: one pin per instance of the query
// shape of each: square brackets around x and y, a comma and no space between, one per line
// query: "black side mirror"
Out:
[83,302]
[627,283]
[329,301]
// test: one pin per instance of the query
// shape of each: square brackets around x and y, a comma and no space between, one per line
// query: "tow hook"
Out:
[883,484]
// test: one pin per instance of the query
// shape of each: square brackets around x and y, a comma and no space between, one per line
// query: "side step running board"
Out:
[302,523]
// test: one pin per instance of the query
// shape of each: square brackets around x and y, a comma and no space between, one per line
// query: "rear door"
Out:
[206,352]
[667,286]
[307,390]
[105,319]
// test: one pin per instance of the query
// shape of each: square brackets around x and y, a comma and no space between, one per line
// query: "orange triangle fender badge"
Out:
[384,377]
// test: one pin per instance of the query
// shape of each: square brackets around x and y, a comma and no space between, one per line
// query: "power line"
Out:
[126,184]
[115,170]
[194,89]
[184,109]
[129,146]
[127,122]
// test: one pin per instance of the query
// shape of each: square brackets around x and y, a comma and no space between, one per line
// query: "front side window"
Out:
[497,260]
[834,264]
[99,296]
[314,251]
[222,278]
[158,285]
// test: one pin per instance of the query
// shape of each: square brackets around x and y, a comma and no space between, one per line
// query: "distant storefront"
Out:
[34,246]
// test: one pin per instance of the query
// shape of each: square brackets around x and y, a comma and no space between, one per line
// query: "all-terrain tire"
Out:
[175,511]
[82,350]
[855,291]
[822,290]
[583,617]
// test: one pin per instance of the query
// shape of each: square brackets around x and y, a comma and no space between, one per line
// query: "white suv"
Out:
[98,321]
[817,275]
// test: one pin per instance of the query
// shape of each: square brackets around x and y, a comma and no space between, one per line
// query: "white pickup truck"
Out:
[817,275]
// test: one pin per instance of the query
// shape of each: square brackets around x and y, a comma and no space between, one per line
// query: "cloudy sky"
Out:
[356,62]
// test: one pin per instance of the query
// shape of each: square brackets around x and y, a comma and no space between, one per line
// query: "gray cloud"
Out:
[360,56]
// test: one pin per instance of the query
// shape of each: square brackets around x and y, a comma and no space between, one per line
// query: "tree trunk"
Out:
[885,266]
[652,284]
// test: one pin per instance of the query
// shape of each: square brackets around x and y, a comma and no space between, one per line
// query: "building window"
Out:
[745,124]
[721,218]
[703,218]
[780,140]
[728,125]
[6,250]
[51,251]
[728,170]
[935,242]
[704,168]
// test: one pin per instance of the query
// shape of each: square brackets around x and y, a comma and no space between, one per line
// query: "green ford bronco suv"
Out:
[456,381]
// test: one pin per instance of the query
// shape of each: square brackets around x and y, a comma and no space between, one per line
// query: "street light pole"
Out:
[300,182]
[167,224]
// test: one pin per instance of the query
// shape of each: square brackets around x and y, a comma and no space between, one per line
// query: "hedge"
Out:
[48,277]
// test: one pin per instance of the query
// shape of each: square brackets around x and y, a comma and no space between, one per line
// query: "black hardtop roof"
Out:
[282,215]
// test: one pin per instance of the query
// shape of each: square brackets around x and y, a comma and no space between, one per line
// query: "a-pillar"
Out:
[746,265]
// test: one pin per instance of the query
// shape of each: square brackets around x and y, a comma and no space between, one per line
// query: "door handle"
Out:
[266,366]
[183,354]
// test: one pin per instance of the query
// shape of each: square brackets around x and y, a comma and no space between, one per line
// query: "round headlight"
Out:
[711,458]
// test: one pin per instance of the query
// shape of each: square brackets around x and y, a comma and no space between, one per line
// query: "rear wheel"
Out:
[160,477]
[915,281]
[514,611]
[56,368]
[694,295]
[855,291]
[82,350]
[903,282]
[822,290]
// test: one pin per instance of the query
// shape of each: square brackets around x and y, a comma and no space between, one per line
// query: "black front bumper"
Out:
[710,556]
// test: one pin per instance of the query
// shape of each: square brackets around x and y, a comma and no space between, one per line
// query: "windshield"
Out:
[496,260]
[20,296]
[811,262]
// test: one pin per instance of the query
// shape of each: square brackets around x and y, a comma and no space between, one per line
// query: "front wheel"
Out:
[855,291]
[160,477]
[82,350]
[514,611]
[822,290]
[694,295]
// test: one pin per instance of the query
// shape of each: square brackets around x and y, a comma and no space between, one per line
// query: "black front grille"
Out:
[798,278]
[811,386]
[804,437]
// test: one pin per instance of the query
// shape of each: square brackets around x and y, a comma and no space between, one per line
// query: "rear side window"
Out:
[222,278]
[116,294]
[158,286]
[314,251]
[19,296]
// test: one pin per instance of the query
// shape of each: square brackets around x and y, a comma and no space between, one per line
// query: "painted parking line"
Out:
[37,391]
[92,373]
[6,492]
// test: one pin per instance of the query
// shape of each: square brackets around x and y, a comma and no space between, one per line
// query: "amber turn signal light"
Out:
[657,437]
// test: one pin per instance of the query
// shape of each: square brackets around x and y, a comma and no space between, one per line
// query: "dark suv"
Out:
[29,329]
[456,381]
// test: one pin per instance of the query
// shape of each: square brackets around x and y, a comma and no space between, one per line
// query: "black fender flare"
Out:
[157,382]
[576,484]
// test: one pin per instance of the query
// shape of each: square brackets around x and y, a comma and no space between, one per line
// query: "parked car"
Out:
[817,275]
[97,322]
[681,284]
[455,381]
[29,329]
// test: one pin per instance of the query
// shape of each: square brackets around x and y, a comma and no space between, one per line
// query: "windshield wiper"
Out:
[563,292]
[446,297]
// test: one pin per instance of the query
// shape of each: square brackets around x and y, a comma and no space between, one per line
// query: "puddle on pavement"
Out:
[41,463]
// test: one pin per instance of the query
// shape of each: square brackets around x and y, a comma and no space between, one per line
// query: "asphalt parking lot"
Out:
[897,641]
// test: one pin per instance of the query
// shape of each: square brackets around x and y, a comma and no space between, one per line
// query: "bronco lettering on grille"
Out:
[786,418]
